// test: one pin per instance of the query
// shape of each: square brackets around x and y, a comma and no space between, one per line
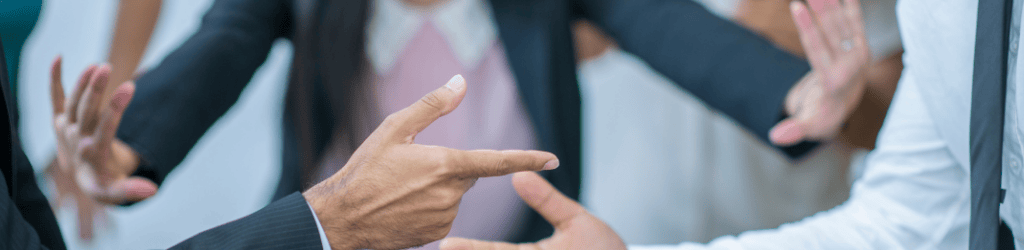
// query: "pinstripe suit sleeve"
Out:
[285,224]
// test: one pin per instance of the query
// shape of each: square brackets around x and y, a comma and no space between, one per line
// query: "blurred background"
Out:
[658,165]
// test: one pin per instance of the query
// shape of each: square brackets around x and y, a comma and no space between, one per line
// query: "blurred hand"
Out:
[837,49]
[395,194]
[574,227]
[86,146]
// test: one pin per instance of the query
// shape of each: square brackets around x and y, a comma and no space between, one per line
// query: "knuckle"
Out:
[390,122]
[445,162]
[60,123]
[504,163]
[434,101]
[71,130]
[452,198]
[87,146]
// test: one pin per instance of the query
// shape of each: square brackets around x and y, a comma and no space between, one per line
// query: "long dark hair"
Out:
[328,89]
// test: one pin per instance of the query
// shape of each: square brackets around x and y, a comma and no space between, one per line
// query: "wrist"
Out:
[331,220]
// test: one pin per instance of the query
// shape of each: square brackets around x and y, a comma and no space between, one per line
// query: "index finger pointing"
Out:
[488,163]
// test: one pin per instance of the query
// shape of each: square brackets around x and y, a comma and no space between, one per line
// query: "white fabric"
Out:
[1012,181]
[467,25]
[320,229]
[915,192]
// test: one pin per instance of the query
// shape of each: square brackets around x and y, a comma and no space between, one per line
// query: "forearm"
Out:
[136,20]
[285,224]
[179,100]
[913,194]
[850,226]
[728,67]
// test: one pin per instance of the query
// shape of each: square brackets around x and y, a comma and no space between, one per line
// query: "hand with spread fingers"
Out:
[86,125]
[837,48]
[393,193]
[575,228]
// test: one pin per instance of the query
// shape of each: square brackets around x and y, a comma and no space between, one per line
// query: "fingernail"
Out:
[552,164]
[785,133]
[456,83]
[135,189]
[122,96]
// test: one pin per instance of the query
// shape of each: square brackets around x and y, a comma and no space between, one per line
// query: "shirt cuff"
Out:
[320,229]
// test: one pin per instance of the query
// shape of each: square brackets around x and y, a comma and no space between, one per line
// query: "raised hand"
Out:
[395,194]
[837,48]
[574,227]
[86,146]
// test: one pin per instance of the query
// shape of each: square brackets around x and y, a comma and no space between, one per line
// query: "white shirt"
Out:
[915,192]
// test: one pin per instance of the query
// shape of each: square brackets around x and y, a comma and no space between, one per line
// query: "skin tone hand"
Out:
[837,49]
[135,23]
[86,143]
[395,194]
[89,211]
[574,227]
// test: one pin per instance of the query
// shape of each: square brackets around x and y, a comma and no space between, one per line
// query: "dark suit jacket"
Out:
[730,68]
[27,222]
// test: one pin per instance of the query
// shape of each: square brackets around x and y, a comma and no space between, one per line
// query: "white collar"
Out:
[468,26]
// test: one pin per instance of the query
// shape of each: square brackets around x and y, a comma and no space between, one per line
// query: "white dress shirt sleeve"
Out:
[913,195]
[320,229]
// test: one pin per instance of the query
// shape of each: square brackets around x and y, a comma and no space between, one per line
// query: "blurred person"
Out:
[133,28]
[946,172]
[701,174]
[357,60]
[82,31]
[387,218]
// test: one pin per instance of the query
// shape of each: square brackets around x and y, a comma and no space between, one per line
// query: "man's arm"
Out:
[723,64]
[913,195]
[392,194]
[285,224]
[195,85]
